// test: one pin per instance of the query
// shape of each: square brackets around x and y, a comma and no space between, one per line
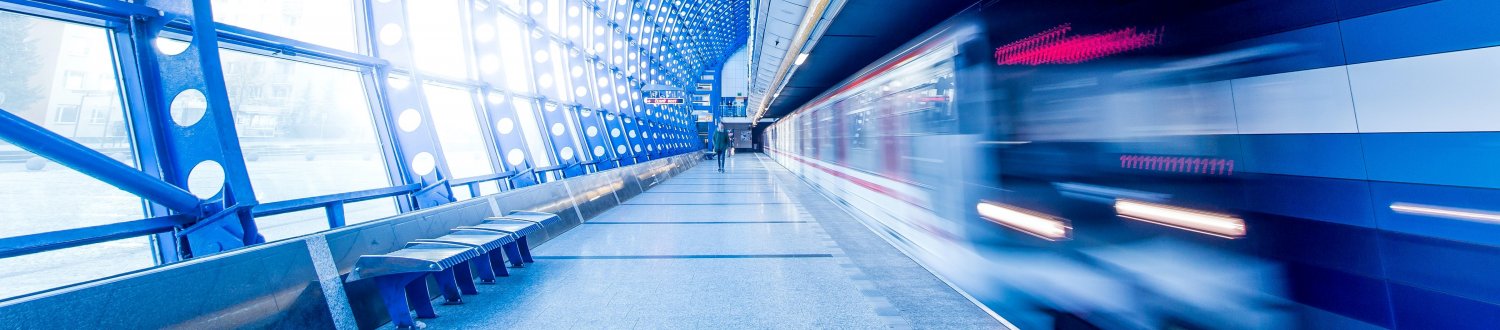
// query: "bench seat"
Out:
[520,229]
[491,247]
[401,276]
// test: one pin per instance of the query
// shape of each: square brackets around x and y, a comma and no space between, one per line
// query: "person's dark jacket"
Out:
[721,141]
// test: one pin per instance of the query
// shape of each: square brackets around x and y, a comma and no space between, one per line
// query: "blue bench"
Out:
[489,245]
[543,219]
[518,228]
[402,277]
[452,260]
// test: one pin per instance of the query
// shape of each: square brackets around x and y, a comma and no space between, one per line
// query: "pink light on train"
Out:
[1199,165]
[1055,46]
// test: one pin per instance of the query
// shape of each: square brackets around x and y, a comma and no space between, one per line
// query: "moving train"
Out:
[1249,164]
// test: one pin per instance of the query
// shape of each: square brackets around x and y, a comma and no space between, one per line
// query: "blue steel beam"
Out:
[62,239]
[60,149]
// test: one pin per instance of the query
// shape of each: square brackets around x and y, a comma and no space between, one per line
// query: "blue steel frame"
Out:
[631,46]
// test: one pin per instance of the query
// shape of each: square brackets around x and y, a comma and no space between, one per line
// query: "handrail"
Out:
[562,166]
[522,172]
[482,178]
[316,202]
[62,239]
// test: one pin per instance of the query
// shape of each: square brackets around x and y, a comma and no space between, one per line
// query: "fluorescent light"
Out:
[1025,221]
[801,58]
[1181,218]
[1447,212]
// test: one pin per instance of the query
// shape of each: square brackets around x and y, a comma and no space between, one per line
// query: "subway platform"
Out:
[753,247]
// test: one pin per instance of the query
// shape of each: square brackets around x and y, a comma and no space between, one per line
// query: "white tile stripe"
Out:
[331,283]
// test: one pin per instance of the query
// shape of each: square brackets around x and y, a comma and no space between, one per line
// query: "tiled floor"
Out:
[709,250]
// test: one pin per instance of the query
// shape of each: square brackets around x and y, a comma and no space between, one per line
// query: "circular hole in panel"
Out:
[614,132]
[620,149]
[605,98]
[637,148]
[632,134]
[580,91]
[515,157]
[206,179]
[586,113]
[557,129]
[537,7]
[188,107]
[409,120]
[592,131]
[541,56]
[170,46]
[505,125]
[495,97]
[598,151]
[391,34]
[573,11]
[609,116]
[577,71]
[423,164]
[545,80]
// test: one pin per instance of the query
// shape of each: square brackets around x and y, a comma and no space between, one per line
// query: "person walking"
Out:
[721,143]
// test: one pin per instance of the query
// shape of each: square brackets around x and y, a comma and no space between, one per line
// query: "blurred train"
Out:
[1153,164]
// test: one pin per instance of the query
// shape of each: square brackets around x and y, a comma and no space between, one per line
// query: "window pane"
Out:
[527,115]
[61,76]
[573,131]
[438,38]
[289,225]
[324,22]
[51,269]
[564,84]
[517,74]
[457,126]
[306,129]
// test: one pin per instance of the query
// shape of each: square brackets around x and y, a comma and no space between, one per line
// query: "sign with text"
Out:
[663,100]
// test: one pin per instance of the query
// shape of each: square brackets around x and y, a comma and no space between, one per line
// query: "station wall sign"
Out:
[663,100]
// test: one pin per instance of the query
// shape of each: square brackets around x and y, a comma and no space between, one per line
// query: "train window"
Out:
[439,38]
[306,130]
[62,76]
[323,22]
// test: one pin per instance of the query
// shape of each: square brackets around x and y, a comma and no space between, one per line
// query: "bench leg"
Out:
[525,249]
[465,276]
[513,252]
[485,268]
[393,292]
[449,285]
[497,261]
[416,294]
